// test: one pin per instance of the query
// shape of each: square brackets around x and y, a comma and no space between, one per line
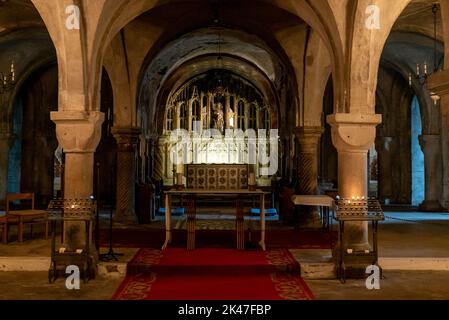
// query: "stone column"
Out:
[384,149]
[78,133]
[438,83]
[353,135]
[127,140]
[430,144]
[6,142]
[308,142]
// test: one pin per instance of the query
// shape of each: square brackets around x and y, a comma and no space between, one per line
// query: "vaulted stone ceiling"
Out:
[18,14]
[418,18]
[411,41]
[262,35]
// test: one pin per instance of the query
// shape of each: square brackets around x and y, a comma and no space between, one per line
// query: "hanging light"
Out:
[422,71]
[8,80]
[219,89]
[435,98]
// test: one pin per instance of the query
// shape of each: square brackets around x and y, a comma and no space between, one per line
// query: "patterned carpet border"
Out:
[285,276]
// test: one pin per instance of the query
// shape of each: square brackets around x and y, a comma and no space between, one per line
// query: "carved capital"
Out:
[78,131]
[127,138]
[353,132]
[308,138]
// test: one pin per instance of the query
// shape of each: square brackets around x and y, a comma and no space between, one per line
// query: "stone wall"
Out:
[40,96]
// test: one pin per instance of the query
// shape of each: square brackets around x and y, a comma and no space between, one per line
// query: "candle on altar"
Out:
[252,179]
[179,179]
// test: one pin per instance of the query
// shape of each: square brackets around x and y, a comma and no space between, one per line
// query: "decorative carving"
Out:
[78,131]
[353,132]
[127,140]
[308,139]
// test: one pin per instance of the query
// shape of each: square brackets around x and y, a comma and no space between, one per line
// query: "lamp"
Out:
[422,71]
[219,89]
[8,80]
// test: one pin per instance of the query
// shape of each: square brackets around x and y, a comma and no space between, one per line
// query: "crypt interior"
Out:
[96,95]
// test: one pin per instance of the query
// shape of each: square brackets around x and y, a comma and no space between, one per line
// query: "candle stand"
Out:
[357,211]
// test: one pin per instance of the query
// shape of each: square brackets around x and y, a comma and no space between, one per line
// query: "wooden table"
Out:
[326,203]
[202,192]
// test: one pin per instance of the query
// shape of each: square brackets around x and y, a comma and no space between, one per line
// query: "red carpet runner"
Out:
[213,274]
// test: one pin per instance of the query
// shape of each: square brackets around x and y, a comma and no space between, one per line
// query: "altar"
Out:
[198,193]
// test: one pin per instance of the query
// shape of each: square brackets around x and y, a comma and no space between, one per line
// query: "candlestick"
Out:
[179,179]
[410,79]
[425,68]
[252,179]
[417,69]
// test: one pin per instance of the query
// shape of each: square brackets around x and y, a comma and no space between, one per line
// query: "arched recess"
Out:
[24,40]
[203,64]
[31,165]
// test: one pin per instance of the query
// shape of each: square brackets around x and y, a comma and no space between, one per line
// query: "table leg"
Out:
[167,221]
[20,229]
[262,221]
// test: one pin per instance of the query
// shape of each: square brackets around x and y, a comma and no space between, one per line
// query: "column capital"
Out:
[308,138]
[78,131]
[127,137]
[353,132]
[306,132]
[438,82]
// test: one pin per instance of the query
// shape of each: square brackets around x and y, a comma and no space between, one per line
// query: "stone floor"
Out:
[396,285]
[35,286]
[403,234]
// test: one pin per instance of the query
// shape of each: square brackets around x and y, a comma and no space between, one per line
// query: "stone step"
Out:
[315,264]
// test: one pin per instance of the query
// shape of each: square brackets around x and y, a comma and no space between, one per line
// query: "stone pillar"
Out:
[430,144]
[78,133]
[384,151]
[6,142]
[308,142]
[127,140]
[353,135]
[438,83]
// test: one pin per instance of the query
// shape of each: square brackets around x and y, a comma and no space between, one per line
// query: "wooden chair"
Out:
[5,222]
[23,217]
